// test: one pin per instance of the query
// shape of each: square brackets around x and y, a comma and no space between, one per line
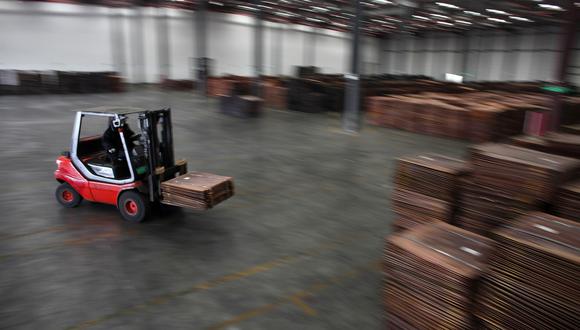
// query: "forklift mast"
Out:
[157,134]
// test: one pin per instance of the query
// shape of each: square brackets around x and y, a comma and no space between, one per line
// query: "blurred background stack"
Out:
[532,275]
[13,82]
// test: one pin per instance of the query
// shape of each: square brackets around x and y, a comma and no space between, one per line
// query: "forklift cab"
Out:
[88,153]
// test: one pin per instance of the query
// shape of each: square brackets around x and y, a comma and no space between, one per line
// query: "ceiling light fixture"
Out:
[382,2]
[472,13]
[447,5]
[444,23]
[320,9]
[421,17]
[499,20]
[440,16]
[496,11]
[463,22]
[248,8]
[550,7]
[523,19]
[216,3]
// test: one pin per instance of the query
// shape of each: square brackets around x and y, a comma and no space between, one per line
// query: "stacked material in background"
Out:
[244,106]
[229,85]
[197,190]
[532,277]
[563,144]
[178,85]
[275,95]
[568,201]
[483,209]
[431,272]
[528,176]
[58,82]
[426,188]
[571,129]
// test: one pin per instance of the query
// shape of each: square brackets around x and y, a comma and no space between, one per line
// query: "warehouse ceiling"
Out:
[382,17]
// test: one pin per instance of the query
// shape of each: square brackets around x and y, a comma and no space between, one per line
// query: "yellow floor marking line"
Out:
[296,298]
[203,286]
[304,306]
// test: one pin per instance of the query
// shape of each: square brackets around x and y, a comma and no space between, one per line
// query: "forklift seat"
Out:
[101,166]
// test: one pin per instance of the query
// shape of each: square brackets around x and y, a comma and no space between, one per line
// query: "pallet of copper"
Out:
[570,129]
[562,144]
[419,207]
[493,121]
[532,276]
[275,96]
[431,174]
[530,176]
[197,190]
[482,209]
[431,274]
[567,204]
[244,106]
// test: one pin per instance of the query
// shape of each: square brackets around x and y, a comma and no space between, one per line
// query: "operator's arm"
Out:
[109,143]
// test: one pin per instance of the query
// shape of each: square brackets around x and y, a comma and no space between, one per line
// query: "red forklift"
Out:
[144,171]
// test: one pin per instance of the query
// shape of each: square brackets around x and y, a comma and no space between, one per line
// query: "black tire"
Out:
[134,207]
[67,196]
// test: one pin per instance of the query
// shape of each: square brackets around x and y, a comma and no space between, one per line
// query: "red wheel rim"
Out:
[67,196]
[131,207]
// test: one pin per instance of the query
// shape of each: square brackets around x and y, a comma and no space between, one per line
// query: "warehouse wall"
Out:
[529,54]
[146,43]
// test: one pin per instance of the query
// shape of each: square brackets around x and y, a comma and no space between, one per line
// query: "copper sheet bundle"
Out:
[528,176]
[483,209]
[568,201]
[425,188]
[430,174]
[431,272]
[275,96]
[563,144]
[532,277]
[197,190]
[416,208]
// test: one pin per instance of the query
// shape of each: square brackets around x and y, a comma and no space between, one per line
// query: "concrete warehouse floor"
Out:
[297,247]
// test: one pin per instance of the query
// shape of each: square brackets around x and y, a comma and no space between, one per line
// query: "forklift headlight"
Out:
[58,161]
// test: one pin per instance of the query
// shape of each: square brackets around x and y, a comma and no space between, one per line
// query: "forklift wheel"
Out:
[67,196]
[133,206]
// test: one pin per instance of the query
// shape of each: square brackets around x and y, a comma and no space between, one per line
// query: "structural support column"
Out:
[351,114]
[117,40]
[465,57]
[163,43]
[570,29]
[509,59]
[137,46]
[277,41]
[200,51]
[258,48]
[309,52]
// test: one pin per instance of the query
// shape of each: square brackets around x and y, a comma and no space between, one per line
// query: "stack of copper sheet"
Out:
[528,176]
[571,129]
[483,209]
[197,190]
[532,276]
[275,96]
[568,201]
[563,144]
[426,188]
[431,273]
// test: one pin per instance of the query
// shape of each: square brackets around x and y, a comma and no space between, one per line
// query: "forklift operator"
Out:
[112,142]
